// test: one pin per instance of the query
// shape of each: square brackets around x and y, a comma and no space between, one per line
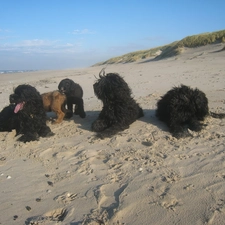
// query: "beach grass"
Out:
[169,50]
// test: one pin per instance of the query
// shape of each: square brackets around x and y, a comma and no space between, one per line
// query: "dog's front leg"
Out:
[69,103]
[79,107]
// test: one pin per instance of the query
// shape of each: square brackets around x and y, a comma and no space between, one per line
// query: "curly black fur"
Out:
[119,108]
[74,94]
[7,118]
[182,108]
[29,115]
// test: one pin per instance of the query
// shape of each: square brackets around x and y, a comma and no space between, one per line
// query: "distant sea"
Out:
[15,71]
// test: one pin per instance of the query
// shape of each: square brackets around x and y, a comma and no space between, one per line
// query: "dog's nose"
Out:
[62,90]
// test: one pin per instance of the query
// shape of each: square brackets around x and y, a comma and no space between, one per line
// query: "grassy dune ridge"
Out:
[169,50]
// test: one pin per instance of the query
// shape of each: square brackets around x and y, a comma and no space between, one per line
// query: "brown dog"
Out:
[55,102]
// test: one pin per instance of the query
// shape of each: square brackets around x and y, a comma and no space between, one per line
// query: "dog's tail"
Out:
[217,115]
[102,73]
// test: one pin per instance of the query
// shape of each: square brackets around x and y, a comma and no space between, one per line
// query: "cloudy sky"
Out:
[56,34]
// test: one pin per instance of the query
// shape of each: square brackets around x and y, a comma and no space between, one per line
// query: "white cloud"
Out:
[36,43]
[41,46]
[69,45]
[84,31]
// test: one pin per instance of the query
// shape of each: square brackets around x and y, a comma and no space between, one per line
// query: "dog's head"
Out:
[111,87]
[22,95]
[201,104]
[65,86]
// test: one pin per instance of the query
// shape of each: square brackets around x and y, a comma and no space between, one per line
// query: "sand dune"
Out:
[143,175]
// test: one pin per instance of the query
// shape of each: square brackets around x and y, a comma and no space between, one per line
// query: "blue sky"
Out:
[62,34]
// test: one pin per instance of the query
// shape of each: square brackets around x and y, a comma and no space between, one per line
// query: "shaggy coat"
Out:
[7,119]
[183,108]
[74,94]
[119,108]
[55,101]
[29,114]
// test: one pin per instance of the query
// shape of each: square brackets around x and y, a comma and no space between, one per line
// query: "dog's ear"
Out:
[59,85]
[70,85]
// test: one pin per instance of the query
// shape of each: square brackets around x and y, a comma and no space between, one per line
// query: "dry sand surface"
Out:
[142,176]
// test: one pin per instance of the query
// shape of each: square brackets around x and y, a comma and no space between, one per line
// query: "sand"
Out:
[141,176]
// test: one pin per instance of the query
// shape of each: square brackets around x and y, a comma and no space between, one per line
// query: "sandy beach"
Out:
[141,176]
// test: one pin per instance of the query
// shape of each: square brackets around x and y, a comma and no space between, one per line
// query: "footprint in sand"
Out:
[167,200]
[170,203]
[107,197]
[164,193]
[171,177]
[66,197]
[221,175]
[218,212]
[2,160]
[189,187]
[182,156]
[108,200]
[56,215]
[162,155]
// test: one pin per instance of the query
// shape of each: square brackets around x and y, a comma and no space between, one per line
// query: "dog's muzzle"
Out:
[62,91]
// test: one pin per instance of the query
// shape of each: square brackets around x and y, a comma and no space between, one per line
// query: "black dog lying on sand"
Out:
[119,108]
[26,114]
[182,108]
[74,94]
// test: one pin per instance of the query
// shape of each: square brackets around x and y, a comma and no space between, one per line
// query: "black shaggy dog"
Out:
[119,108]
[29,118]
[74,94]
[182,108]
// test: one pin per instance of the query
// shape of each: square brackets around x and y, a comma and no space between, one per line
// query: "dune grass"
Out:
[170,50]
[133,56]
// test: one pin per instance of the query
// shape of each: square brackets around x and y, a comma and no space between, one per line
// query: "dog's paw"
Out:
[68,114]
[50,134]
[28,137]
[80,112]
[182,134]
[82,115]
[99,136]
[98,125]
[104,134]
[197,126]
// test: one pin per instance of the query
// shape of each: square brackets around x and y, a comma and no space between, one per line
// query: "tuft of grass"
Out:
[169,50]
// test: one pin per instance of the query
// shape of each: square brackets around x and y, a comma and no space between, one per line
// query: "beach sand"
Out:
[141,176]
